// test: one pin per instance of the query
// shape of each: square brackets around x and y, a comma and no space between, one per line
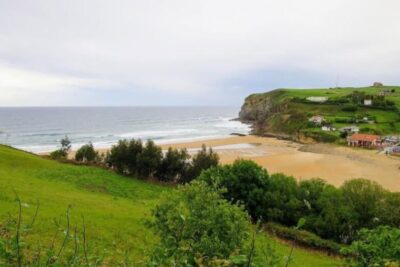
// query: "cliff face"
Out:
[258,109]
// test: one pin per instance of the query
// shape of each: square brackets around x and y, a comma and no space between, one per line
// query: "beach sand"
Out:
[334,164]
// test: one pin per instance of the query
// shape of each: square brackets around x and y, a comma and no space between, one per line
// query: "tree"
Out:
[282,204]
[196,226]
[174,165]
[336,220]
[203,160]
[123,157]
[62,152]
[117,158]
[376,247]
[244,181]
[86,153]
[389,210]
[363,197]
[149,160]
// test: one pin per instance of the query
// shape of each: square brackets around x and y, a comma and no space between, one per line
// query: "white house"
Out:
[316,119]
[328,128]
[317,99]
[367,102]
[350,129]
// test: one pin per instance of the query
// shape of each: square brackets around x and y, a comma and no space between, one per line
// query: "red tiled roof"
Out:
[364,137]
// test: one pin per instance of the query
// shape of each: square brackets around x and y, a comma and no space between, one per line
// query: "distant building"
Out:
[328,128]
[377,84]
[391,140]
[367,102]
[317,119]
[349,129]
[364,140]
[385,92]
[392,150]
[317,99]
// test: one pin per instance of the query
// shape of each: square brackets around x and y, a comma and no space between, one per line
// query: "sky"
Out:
[187,52]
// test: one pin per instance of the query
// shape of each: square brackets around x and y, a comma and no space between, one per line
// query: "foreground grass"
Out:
[115,207]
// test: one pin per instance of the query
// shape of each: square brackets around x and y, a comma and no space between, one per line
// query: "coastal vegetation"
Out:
[198,223]
[332,213]
[286,112]
[113,212]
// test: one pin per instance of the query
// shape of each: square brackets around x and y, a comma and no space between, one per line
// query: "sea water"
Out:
[39,129]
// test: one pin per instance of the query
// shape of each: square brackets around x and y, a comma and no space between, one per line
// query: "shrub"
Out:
[350,108]
[123,157]
[389,210]
[377,247]
[203,160]
[303,237]
[281,200]
[197,227]
[174,166]
[149,160]
[363,197]
[63,151]
[87,154]
[244,181]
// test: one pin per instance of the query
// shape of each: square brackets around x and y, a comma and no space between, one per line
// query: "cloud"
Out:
[191,51]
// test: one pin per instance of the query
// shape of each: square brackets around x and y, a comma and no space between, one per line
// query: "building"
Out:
[367,102]
[391,140]
[384,92]
[328,128]
[392,150]
[317,119]
[317,99]
[364,140]
[350,129]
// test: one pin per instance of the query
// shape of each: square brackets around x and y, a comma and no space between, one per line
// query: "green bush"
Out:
[203,160]
[174,166]
[303,237]
[149,160]
[320,136]
[197,227]
[62,152]
[376,247]
[244,181]
[87,153]
[350,108]
[281,200]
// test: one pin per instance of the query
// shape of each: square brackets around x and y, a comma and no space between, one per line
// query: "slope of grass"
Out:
[115,207]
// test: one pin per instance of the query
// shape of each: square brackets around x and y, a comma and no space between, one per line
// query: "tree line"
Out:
[330,212]
[145,160]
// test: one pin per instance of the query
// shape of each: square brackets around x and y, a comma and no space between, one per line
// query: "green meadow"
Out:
[115,208]
[294,109]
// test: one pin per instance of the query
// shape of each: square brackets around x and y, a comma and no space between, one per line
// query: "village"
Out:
[353,135]
[390,144]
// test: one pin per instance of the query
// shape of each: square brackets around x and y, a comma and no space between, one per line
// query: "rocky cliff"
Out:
[259,109]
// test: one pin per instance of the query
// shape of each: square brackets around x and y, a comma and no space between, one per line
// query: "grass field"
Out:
[385,122]
[115,207]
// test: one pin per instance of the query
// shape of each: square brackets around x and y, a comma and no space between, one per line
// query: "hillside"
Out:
[114,207]
[287,112]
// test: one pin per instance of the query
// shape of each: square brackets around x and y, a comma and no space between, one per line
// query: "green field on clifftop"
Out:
[115,207]
[286,111]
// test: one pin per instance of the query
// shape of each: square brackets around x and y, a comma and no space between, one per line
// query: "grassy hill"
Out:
[115,207]
[286,111]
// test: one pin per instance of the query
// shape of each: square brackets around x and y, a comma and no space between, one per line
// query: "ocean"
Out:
[39,129]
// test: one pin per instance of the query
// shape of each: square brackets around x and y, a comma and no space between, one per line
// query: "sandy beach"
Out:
[334,164]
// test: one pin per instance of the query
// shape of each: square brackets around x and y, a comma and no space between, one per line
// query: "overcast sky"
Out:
[184,52]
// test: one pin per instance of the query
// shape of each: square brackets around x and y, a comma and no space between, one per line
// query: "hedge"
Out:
[303,238]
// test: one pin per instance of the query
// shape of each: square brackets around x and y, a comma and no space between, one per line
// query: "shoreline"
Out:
[332,163]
